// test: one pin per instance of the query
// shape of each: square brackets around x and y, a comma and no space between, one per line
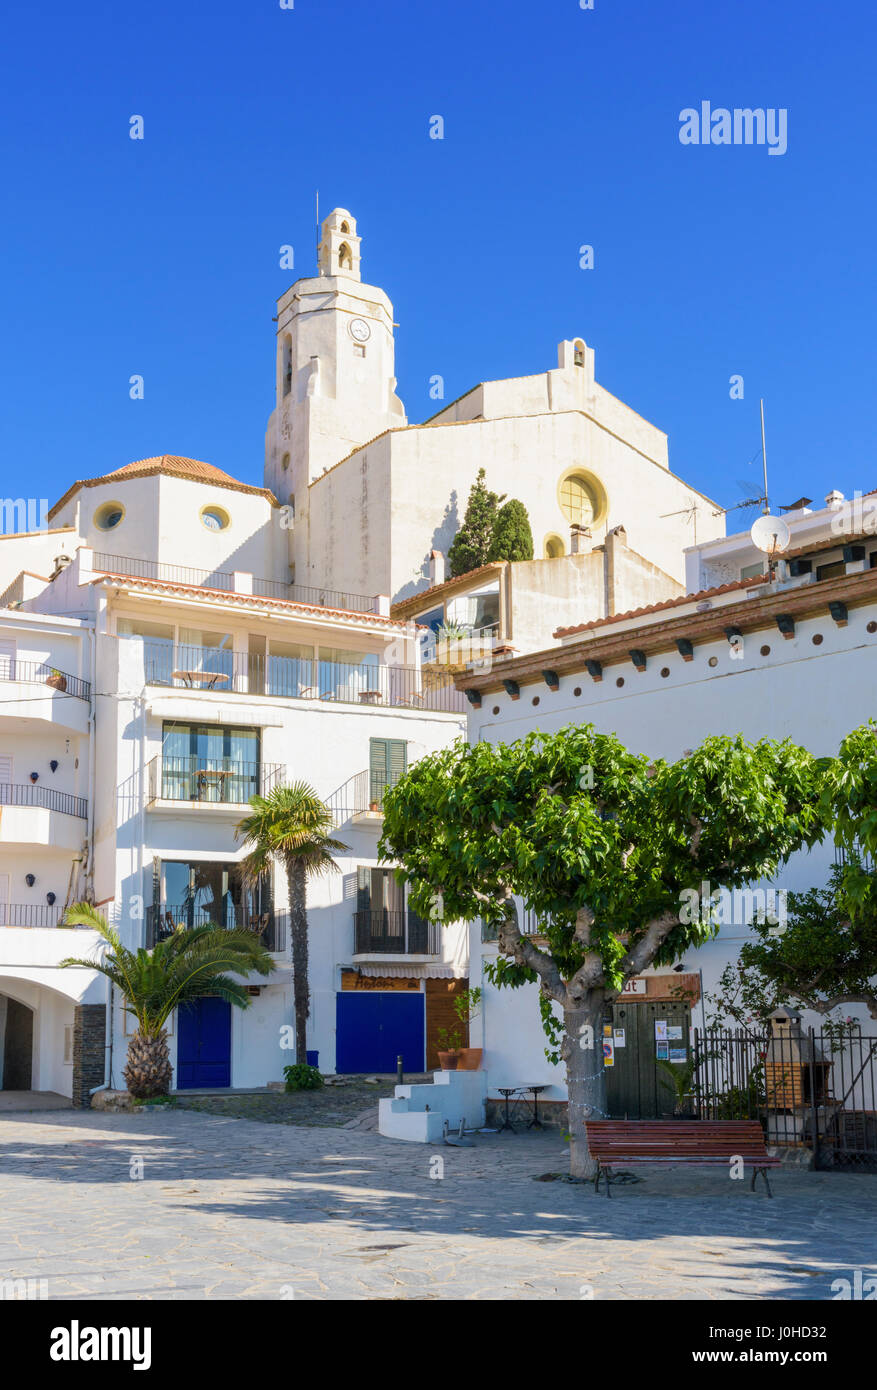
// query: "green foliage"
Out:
[827,953]
[744,997]
[481,823]
[449,1040]
[467,1005]
[512,537]
[472,542]
[742,1102]
[291,824]
[301,1077]
[680,1077]
[188,965]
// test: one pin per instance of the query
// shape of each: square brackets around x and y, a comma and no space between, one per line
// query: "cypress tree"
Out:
[472,542]
[512,536]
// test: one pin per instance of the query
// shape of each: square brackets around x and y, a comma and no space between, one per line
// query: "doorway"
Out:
[16,1045]
[204,1044]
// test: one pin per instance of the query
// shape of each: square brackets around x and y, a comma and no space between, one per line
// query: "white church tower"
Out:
[335,375]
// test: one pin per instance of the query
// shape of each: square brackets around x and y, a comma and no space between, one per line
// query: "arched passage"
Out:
[16,1044]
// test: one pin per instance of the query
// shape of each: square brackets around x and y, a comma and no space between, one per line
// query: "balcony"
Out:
[385,933]
[163,919]
[30,914]
[219,782]
[455,647]
[41,816]
[365,794]
[224,581]
[220,671]
[35,693]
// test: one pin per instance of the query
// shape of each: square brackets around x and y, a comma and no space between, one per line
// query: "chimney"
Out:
[834,498]
[436,567]
[579,539]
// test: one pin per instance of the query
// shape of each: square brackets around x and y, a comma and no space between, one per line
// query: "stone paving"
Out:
[230,1208]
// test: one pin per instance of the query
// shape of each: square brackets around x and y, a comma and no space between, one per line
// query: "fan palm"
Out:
[291,825]
[187,966]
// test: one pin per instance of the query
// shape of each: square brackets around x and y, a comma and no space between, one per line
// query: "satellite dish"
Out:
[770,534]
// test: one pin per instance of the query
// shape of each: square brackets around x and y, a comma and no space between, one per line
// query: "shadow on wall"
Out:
[442,536]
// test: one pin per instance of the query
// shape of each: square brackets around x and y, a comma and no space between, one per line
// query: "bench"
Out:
[612,1142]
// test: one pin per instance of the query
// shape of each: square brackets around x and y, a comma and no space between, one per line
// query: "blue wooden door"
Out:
[204,1044]
[372,1030]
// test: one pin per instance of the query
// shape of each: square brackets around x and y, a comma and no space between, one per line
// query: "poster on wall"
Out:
[661,1051]
[660,1030]
[678,1054]
[608,1052]
[674,1032]
[619,1037]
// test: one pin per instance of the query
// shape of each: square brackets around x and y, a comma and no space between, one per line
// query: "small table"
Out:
[215,776]
[206,678]
[369,697]
[535,1091]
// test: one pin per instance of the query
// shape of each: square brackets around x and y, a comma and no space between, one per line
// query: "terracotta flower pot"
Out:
[58,682]
[448,1060]
[470,1058]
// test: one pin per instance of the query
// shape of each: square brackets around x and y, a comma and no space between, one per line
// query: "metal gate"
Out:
[817,1090]
[642,1032]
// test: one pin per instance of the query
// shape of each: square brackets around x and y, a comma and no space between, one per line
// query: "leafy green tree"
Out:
[184,967]
[512,537]
[600,844]
[471,544]
[823,955]
[291,825]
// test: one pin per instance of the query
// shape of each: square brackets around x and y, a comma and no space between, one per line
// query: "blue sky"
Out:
[161,257]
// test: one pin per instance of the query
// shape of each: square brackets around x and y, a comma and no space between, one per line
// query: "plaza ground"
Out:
[230,1208]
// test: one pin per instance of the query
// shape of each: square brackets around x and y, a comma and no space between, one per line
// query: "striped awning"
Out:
[439,971]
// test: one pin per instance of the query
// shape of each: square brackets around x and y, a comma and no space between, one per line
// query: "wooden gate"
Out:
[636,1089]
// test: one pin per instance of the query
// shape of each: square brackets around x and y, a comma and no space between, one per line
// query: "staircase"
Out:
[418,1113]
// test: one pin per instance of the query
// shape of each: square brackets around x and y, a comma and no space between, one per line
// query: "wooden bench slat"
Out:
[613,1142]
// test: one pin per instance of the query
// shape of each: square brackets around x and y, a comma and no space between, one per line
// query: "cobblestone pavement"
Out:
[230,1208]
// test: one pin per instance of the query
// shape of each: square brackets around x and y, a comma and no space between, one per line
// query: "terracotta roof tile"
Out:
[171,465]
[660,607]
[405,605]
[247,600]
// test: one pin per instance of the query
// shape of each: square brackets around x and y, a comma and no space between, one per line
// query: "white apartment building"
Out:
[792,653]
[184,690]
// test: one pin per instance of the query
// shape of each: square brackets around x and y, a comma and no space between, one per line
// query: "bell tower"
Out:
[335,383]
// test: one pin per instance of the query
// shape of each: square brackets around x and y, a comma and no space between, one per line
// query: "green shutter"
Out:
[363,888]
[388,761]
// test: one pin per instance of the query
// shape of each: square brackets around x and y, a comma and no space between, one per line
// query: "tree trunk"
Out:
[148,1069]
[582,1051]
[298,925]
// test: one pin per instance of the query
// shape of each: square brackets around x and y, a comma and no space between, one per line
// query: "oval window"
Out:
[215,518]
[107,517]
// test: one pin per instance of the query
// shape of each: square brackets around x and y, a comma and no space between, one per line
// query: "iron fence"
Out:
[816,1089]
[42,673]
[30,914]
[163,919]
[395,933]
[28,794]
[216,781]
[295,678]
[224,581]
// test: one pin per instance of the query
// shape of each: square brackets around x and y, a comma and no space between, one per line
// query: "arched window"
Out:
[287,366]
[553,548]
[579,353]
[345,257]
[284,462]
[577,500]
[345,228]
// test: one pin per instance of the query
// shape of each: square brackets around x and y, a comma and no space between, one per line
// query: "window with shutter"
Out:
[388,761]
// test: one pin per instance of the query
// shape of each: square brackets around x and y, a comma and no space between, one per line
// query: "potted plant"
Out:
[374,805]
[449,1048]
[680,1078]
[468,1006]
[56,679]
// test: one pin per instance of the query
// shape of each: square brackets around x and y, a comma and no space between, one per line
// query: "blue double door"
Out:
[373,1029]
[204,1044]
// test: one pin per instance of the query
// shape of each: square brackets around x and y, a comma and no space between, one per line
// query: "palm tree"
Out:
[187,966]
[291,825]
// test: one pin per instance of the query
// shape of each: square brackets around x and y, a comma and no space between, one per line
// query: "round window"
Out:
[215,518]
[107,517]
[579,499]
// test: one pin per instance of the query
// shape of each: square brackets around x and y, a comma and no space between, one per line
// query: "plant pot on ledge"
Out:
[470,1059]
[57,681]
[448,1060]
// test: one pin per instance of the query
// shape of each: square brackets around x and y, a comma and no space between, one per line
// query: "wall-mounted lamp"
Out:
[50,899]
[30,880]
[34,776]
[54,764]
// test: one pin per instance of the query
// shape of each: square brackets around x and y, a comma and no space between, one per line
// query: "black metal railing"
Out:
[30,914]
[806,1088]
[294,678]
[224,581]
[395,933]
[528,922]
[28,794]
[216,781]
[42,673]
[163,919]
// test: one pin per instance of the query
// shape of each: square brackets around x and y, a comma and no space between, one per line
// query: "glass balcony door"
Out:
[210,763]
